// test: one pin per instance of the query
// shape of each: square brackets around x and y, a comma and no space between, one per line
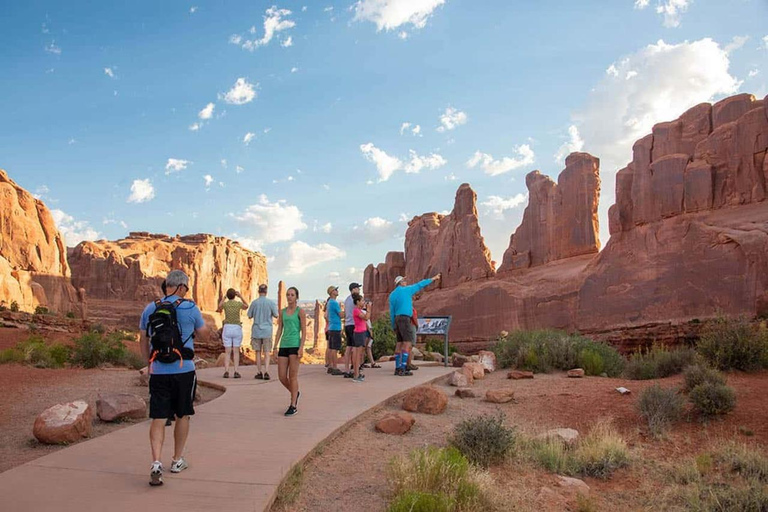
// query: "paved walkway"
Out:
[239,449]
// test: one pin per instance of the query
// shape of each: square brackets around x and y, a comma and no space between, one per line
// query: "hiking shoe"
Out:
[292,411]
[359,378]
[259,376]
[237,375]
[177,466]
[406,373]
[266,376]
[398,372]
[412,367]
[336,371]
[348,375]
[366,365]
[156,473]
[168,422]
[226,375]
[329,371]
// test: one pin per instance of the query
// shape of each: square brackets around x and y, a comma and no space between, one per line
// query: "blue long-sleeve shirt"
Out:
[401,299]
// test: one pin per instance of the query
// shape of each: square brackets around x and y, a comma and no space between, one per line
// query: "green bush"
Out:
[416,501]
[484,440]
[710,399]
[659,362]
[718,497]
[11,355]
[384,338]
[70,314]
[601,452]
[14,306]
[699,374]
[93,349]
[438,345]
[547,350]
[734,344]
[660,407]
[744,460]
[36,352]
[41,310]
[552,454]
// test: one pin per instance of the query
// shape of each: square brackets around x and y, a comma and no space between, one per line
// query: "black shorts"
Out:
[334,340]
[349,334]
[404,329]
[288,351]
[172,395]
[360,339]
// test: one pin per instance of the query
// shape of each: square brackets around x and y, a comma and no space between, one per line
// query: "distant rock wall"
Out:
[379,281]
[33,259]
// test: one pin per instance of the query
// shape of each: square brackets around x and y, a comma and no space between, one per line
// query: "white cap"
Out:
[398,279]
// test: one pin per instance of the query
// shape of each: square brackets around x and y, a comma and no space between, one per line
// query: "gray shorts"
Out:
[404,329]
[257,343]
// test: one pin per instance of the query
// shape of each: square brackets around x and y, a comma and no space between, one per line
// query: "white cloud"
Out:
[302,256]
[275,21]
[294,69]
[109,72]
[52,48]
[524,156]
[672,10]
[73,231]
[451,177]
[390,14]
[451,119]
[736,43]
[224,163]
[495,206]
[238,169]
[208,180]
[375,230]
[414,129]
[207,111]
[176,165]
[641,4]
[386,165]
[41,191]
[241,93]
[765,42]
[328,9]
[333,275]
[195,126]
[272,222]
[287,42]
[325,228]
[193,9]
[248,137]
[753,73]
[575,143]
[417,163]
[141,191]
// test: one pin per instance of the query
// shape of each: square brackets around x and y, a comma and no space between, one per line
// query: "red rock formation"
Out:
[319,332]
[560,220]
[450,244]
[132,269]
[379,281]
[281,300]
[33,258]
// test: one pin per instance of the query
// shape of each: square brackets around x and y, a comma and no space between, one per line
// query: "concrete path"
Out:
[240,447]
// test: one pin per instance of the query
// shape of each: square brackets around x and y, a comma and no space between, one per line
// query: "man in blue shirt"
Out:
[172,385]
[400,313]
[262,310]
[333,310]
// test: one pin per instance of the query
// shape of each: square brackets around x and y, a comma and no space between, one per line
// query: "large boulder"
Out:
[425,399]
[120,406]
[397,423]
[477,369]
[488,360]
[568,436]
[519,374]
[64,423]
[461,378]
[500,395]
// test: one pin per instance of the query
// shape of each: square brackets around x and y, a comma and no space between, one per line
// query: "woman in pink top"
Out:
[360,337]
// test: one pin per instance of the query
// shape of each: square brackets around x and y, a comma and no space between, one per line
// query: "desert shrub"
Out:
[438,345]
[14,306]
[484,440]
[290,488]
[11,355]
[552,454]
[70,314]
[659,362]
[440,472]
[601,452]
[415,501]
[684,473]
[699,374]
[93,349]
[719,497]
[710,399]
[744,460]
[734,344]
[41,310]
[660,407]
[546,350]
[384,338]
[98,328]
[36,352]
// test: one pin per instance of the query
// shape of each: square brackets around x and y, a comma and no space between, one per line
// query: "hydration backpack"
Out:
[164,333]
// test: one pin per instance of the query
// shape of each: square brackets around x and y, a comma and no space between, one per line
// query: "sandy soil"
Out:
[354,463]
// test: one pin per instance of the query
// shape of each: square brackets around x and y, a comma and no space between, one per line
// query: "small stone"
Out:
[623,391]
[459,360]
[488,360]
[576,373]
[460,379]
[573,485]
[64,423]
[500,396]
[118,406]
[467,393]
[568,435]
[436,356]
[519,374]
[425,399]
[397,423]
[477,369]
[417,354]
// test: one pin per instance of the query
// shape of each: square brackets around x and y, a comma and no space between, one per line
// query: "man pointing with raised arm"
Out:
[400,312]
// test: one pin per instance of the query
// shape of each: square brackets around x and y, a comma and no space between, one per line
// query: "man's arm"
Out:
[250,310]
[144,346]
[391,311]
[303,320]
[275,312]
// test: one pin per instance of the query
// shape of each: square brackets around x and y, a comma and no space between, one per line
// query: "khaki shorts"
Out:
[257,343]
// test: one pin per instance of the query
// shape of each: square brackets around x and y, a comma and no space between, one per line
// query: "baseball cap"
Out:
[331,288]
[262,288]
[354,285]
[398,279]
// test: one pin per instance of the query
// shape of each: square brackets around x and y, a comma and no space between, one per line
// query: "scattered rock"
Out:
[397,423]
[64,423]
[519,374]
[384,359]
[474,358]
[436,356]
[144,376]
[461,379]
[425,399]
[118,406]
[417,354]
[477,369]
[623,391]
[576,373]
[568,435]
[500,396]
[467,393]
[573,486]
[488,360]
[459,360]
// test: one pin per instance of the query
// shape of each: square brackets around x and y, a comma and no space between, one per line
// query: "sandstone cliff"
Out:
[379,281]
[132,269]
[33,258]
[560,220]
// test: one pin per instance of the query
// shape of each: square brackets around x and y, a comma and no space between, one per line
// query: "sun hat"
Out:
[398,279]
[331,288]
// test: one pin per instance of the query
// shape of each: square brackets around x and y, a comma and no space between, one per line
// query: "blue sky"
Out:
[291,126]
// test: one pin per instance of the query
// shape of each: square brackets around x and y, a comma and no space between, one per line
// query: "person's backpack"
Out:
[164,333]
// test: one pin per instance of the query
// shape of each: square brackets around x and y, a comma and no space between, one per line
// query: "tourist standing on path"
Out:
[291,335]
[369,338]
[349,326]
[232,330]
[333,314]
[262,311]
[360,337]
[168,327]
[400,312]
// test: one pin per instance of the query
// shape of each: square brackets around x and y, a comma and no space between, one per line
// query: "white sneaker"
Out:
[156,473]
[177,466]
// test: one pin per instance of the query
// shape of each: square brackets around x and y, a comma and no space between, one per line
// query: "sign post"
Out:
[436,326]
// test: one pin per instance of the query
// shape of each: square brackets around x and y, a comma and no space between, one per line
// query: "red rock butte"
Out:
[689,240]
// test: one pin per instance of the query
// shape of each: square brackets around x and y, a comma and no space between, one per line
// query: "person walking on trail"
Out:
[349,327]
[291,335]
[262,311]
[232,330]
[360,337]
[400,312]
[333,313]
[168,327]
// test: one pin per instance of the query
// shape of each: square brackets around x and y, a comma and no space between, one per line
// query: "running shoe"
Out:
[226,375]
[348,375]
[359,378]
[329,371]
[266,376]
[156,473]
[237,375]
[259,376]
[292,411]
[406,373]
[412,367]
[336,371]
[177,466]
[398,372]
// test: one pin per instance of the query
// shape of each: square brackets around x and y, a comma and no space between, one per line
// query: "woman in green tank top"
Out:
[291,335]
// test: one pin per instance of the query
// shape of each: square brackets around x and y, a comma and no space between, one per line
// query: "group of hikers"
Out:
[170,324]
